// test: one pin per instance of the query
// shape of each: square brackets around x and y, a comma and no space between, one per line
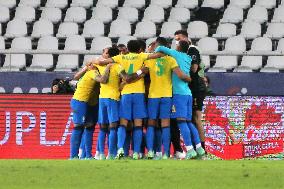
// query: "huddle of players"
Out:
[122,99]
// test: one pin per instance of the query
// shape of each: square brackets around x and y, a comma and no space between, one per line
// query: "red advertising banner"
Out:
[35,126]
[244,127]
[39,126]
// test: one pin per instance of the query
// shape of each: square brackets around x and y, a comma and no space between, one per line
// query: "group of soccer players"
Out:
[124,102]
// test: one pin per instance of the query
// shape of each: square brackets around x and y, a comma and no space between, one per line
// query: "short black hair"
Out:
[162,41]
[56,81]
[113,51]
[142,44]
[133,46]
[121,45]
[184,45]
[182,32]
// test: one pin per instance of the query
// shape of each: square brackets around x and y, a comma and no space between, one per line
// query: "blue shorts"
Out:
[108,110]
[133,106]
[159,108]
[83,113]
[182,106]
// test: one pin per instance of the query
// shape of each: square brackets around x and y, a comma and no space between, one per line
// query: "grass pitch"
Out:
[124,174]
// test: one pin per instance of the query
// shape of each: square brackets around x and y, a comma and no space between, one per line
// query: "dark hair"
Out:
[142,44]
[63,86]
[55,81]
[133,46]
[182,32]
[208,79]
[121,45]
[113,51]
[162,41]
[184,45]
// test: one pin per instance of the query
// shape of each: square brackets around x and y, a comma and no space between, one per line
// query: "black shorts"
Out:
[197,103]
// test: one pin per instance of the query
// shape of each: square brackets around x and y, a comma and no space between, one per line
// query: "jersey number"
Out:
[160,68]
[130,69]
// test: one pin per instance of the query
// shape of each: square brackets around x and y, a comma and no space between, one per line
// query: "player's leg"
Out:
[150,136]
[79,111]
[102,138]
[139,113]
[175,139]
[180,112]
[194,132]
[197,116]
[113,117]
[91,120]
[97,154]
[158,141]
[153,108]
[82,151]
[165,114]
[125,114]
[143,142]
[103,122]
[128,138]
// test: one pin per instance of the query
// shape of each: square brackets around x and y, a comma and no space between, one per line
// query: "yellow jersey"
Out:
[131,63]
[86,90]
[160,71]
[111,88]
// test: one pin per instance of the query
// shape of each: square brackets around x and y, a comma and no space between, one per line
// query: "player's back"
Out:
[85,90]
[160,71]
[111,88]
[131,63]
[184,63]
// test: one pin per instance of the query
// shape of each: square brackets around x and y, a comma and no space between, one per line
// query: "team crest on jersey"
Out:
[173,109]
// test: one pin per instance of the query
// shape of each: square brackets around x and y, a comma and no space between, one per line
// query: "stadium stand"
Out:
[128,13]
[70,62]
[4,14]
[2,90]
[33,90]
[8,3]
[181,15]
[15,62]
[93,28]
[42,28]
[46,90]
[44,62]
[52,14]
[17,90]
[29,3]
[75,14]
[102,22]
[119,28]
[82,3]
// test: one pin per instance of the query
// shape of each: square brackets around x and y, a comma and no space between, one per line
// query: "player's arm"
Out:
[130,78]
[104,78]
[155,55]
[103,62]
[181,75]
[121,85]
[80,73]
[166,50]
[196,59]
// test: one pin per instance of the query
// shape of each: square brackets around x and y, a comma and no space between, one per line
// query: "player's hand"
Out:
[110,65]
[122,84]
[144,69]
[95,62]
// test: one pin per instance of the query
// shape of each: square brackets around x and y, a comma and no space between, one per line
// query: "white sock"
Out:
[198,145]
[158,153]
[189,147]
